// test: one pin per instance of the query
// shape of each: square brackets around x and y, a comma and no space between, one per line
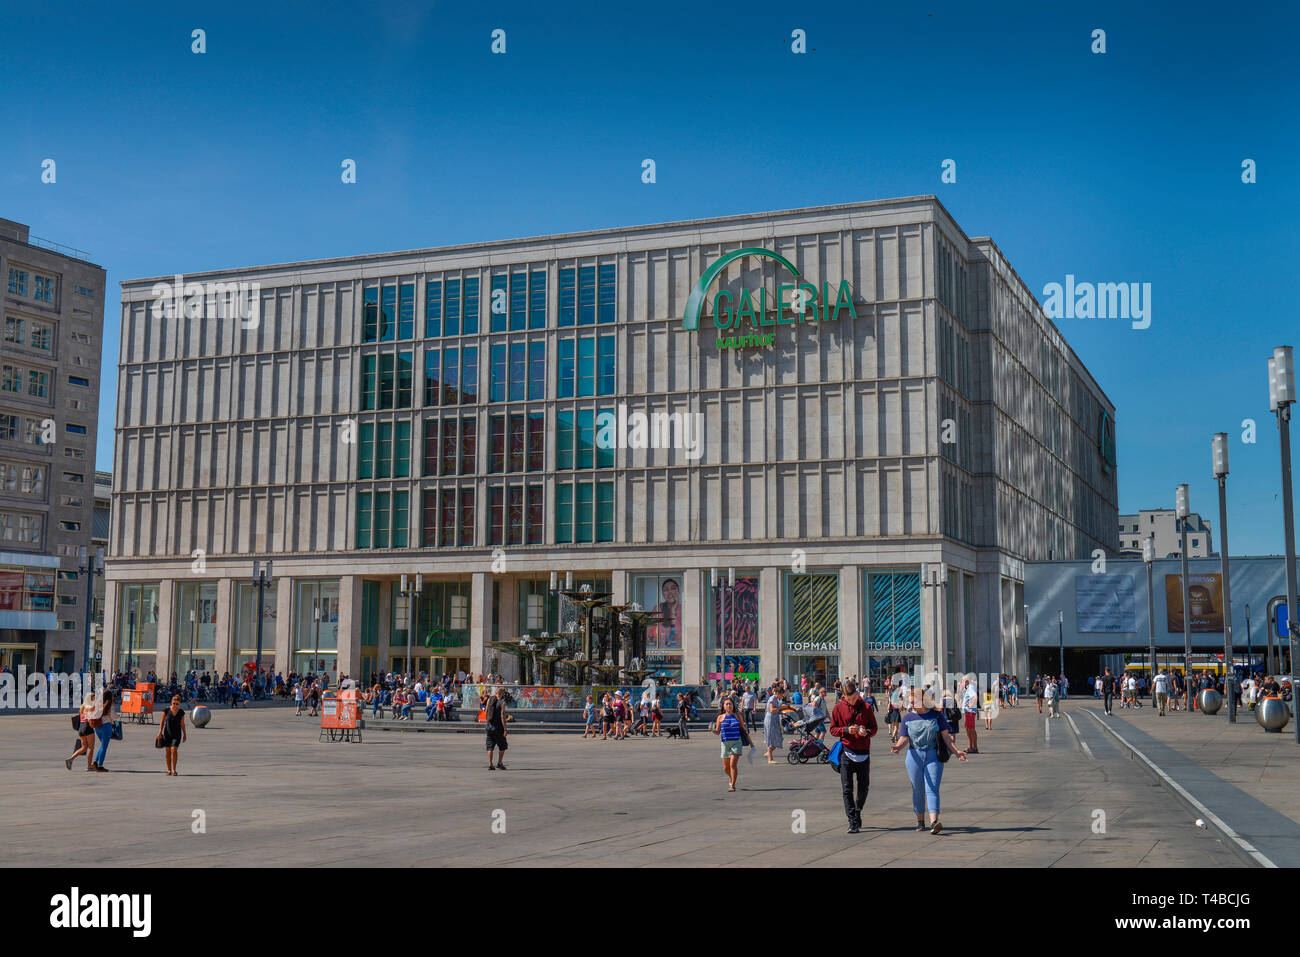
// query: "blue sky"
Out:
[1123,166]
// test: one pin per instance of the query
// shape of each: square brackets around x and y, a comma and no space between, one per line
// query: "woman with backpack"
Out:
[730,729]
[930,741]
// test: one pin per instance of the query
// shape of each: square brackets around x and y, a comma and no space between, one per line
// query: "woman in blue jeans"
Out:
[922,728]
[104,733]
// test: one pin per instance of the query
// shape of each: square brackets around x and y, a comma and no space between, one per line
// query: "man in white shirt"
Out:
[1161,685]
[970,706]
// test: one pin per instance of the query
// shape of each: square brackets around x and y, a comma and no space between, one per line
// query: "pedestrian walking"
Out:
[772,738]
[1106,682]
[853,721]
[496,729]
[928,734]
[969,708]
[103,725]
[85,733]
[1039,687]
[683,717]
[1053,695]
[729,728]
[1161,684]
[171,733]
[297,698]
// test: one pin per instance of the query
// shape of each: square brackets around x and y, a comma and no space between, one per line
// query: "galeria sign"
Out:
[793,302]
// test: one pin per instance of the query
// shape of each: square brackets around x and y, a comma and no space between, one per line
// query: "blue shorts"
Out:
[732,749]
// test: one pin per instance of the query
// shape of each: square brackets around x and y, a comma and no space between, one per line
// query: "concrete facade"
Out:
[1163,524]
[945,431]
[50,350]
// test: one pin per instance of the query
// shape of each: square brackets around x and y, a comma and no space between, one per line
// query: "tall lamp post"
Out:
[1060,632]
[1149,556]
[1281,395]
[411,590]
[90,567]
[1183,510]
[1250,652]
[1219,449]
[261,581]
[726,590]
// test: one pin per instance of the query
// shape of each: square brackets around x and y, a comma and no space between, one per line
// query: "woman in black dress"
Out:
[172,733]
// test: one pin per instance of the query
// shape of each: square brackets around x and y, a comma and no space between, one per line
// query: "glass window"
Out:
[469,374]
[500,302]
[468,445]
[467,516]
[381,520]
[604,450]
[38,383]
[402,450]
[536,371]
[15,330]
[518,371]
[518,301]
[607,292]
[586,439]
[605,366]
[582,518]
[384,450]
[497,391]
[433,309]
[401,518]
[363,520]
[429,519]
[536,441]
[563,513]
[368,382]
[469,308]
[565,385]
[537,299]
[586,365]
[450,376]
[387,380]
[137,627]
[536,514]
[17,282]
[388,313]
[432,376]
[450,444]
[497,439]
[405,373]
[451,310]
[431,440]
[447,534]
[406,311]
[44,288]
[563,439]
[516,446]
[42,336]
[587,296]
[568,296]
[515,515]
[496,515]
[366,451]
[604,511]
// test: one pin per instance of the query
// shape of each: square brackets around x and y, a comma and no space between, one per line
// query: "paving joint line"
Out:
[1236,841]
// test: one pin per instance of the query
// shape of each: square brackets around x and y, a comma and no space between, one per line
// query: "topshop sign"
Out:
[792,303]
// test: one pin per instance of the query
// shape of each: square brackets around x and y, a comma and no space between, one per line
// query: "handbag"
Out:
[76,722]
[158,741]
[117,730]
[833,759]
[943,753]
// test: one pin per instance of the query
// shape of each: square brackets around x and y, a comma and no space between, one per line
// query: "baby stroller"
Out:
[806,747]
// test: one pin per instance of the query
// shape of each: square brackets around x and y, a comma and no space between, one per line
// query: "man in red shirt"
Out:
[854,722]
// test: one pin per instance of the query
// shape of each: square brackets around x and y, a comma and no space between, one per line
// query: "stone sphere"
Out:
[200,716]
[1209,701]
[1273,714]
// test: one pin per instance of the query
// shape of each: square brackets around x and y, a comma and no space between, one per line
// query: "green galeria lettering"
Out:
[721,316]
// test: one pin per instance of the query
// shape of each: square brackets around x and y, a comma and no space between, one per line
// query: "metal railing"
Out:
[59,248]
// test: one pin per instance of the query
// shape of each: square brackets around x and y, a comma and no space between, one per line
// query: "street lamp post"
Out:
[1281,395]
[1060,631]
[1250,652]
[1183,510]
[261,580]
[90,567]
[411,591]
[1219,449]
[1149,556]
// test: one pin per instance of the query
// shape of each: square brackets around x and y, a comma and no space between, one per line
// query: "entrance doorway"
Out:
[881,668]
[819,669]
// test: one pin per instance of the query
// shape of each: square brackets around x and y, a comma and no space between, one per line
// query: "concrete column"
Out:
[934,624]
[695,617]
[480,620]
[771,625]
[166,627]
[384,609]
[349,627]
[509,624]
[285,621]
[108,643]
[987,605]
[227,610]
[852,641]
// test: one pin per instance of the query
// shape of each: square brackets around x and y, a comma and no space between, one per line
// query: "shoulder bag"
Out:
[942,749]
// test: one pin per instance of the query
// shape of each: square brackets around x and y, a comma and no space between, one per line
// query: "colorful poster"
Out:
[735,615]
[11,591]
[1205,594]
[662,594]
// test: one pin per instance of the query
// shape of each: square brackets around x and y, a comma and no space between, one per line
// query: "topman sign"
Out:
[793,302]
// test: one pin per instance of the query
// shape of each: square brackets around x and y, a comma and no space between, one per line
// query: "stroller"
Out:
[806,747]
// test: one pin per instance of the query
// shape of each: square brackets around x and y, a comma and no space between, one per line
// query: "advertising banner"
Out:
[1106,603]
[1206,599]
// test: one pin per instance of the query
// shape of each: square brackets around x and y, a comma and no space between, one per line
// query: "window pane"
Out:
[516,463]
[382,520]
[607,291]
[406,311]
[497,430]
[565,374]
[587,296]
[401,518]
[387,380]
[431,440]
[370,315]
[469,308]
[587,365]
[363,520]
[366,451]
[604,511]
[498,387]
[402,450]
[563,513]
[447,530]
[433,310]
[467,516]
[499,303]
[518,371]
[515,516]
[450,376]
[388,314]
[536,515]
[537,299]
[518,301]
[469,375]
[368,382]
[604,452]
[451,309]
[496,515]
[536,441]
[582,512]
[468,446]
[563,440]
[536,371]
[449,446]
[432,385]
[384,450]
[405,373]
[568,296]
[605,363]
[429,522]
[586,438]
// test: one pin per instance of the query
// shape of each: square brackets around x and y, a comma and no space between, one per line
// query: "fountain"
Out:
[639,620]
[586,600]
